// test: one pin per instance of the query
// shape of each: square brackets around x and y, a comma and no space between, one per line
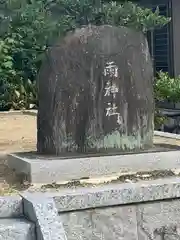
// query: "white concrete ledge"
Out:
[167,135]
[44,170]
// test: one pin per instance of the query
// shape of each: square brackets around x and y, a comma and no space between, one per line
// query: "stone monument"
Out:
[96,93]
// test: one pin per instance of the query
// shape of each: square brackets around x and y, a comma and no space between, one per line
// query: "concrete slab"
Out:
[16,229]
[44,170]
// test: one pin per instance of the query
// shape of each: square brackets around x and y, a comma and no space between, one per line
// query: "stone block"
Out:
[117,194]
[11,206]
[43,212]
[99,93]
[16,229]
[101,224]
[159,220]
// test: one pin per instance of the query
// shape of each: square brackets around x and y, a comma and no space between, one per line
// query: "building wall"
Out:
[176,35]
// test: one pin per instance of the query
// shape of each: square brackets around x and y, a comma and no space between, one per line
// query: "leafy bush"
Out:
[133,16]
[5,93]
[165,88]
[14,93]
[7,73]
[28,27]
[24,95]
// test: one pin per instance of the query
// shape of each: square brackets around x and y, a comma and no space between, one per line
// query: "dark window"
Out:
[160,42]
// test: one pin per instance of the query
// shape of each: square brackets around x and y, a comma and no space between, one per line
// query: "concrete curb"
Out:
[167,135]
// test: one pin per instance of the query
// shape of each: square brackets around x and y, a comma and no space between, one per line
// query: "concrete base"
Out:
[49,170]
[45,169]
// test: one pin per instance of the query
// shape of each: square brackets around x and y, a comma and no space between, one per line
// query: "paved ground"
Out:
[17,133]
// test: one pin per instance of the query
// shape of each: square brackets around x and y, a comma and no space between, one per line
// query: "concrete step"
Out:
[16,229]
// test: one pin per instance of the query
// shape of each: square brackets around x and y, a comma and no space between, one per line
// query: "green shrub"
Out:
[132,15]
[165,88]
[14,93]
[24,95]
[28,27]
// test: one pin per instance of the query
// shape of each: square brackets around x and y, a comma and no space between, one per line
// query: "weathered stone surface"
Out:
[16,229]
[96,224]
[159,221]
[11,206]
[112,194]
[43,212]
[117,194]
[96,93]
